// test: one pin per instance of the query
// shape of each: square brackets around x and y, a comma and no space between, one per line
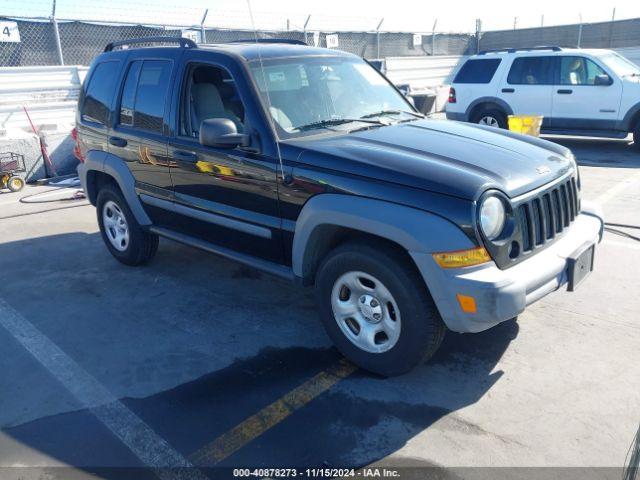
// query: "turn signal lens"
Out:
[467,304]
[462,258]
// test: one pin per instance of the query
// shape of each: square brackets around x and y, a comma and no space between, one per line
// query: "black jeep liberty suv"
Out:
[309,164]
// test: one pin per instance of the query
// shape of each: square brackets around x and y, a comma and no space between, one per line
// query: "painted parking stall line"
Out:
[254,426]
[618,188]
[153,451]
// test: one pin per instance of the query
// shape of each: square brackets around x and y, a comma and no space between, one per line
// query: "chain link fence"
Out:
[49,41]
[79,42]
[616,34]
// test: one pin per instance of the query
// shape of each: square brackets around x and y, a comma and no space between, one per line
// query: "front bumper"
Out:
[503,294]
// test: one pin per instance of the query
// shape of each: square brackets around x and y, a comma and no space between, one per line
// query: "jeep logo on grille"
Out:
[543,169]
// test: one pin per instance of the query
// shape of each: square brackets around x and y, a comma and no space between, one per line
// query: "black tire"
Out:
[636,137]
[498,115]
[142,245]
[15,184]
[421,328]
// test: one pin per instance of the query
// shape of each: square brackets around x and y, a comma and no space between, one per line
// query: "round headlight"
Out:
[492,217]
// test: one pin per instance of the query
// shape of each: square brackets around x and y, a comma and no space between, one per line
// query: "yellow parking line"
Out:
[254,426]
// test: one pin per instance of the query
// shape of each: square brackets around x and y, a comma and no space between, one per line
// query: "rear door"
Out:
[580,104]
[528,86]
[139,135]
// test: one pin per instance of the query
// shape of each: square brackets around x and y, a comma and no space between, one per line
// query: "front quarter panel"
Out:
[415,230]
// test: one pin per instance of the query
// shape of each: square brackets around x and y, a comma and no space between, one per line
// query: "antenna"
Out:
[264,80]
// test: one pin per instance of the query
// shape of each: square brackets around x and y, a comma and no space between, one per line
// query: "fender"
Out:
[495,100]
[413,229]
[99,161]
[625,124]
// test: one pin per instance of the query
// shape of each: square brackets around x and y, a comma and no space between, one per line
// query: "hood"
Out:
[446,157]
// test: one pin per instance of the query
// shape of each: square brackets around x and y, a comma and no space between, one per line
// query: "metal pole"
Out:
[56,33]
[613,19]
[542,21]
[304,28]
[203,32]
[515,22]
[580,32]
[378,38]
[478,34]
[433,38]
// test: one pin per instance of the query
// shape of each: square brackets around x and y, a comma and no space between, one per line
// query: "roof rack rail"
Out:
[183,42]
[271,40]
[553,48]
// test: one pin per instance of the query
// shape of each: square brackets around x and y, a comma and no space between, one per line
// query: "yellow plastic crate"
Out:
[526,124]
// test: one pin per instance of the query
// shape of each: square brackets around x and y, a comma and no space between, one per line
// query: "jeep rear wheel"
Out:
[127,241]
[491,118]
[376,309]
[636,136]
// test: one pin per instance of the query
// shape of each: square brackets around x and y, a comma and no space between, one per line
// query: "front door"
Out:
[228,197]
[580,104]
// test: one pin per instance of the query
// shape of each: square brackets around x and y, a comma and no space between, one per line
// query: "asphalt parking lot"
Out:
[195,360]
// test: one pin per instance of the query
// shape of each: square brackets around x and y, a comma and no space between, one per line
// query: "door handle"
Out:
[565,92]
[185,156]
[117,142]
[508,90]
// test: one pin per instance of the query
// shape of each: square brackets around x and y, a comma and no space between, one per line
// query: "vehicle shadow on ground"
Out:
[194,345]
[601,152]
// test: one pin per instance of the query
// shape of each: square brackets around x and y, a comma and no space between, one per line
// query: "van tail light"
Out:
[452,95]
[76,149]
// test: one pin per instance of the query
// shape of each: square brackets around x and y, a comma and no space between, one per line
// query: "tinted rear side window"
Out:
[477,71]
[99,92]
[151,95]
[127,103]
[531,71]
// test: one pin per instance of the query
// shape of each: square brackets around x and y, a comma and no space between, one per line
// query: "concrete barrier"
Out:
[50,95]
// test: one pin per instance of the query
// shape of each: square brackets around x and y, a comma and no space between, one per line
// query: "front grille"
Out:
[545,216]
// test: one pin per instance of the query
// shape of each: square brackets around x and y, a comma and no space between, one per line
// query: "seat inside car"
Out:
[207,100]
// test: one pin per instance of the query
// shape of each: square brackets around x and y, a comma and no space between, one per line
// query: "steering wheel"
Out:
[352,103]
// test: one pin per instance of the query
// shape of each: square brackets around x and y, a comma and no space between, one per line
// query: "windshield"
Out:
[327,93]
[620,65]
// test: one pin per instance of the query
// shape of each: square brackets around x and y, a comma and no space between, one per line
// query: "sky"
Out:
[326,15]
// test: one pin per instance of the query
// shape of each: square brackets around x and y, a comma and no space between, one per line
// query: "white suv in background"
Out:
[579,92]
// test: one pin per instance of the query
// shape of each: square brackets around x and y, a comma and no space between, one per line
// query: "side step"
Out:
[258,263]
[586,133]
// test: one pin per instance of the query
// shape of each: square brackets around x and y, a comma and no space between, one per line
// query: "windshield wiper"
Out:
[334,122]
[392,112]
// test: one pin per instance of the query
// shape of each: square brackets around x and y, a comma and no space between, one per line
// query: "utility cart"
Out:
[11,165]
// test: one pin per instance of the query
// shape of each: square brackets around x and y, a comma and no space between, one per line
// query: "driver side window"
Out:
[209,92]
[578,71]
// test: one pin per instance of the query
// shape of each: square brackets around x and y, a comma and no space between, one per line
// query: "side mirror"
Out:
[221,133]
[602,80]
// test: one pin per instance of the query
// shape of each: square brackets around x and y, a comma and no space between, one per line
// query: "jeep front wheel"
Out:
[636,136]
[376,309]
